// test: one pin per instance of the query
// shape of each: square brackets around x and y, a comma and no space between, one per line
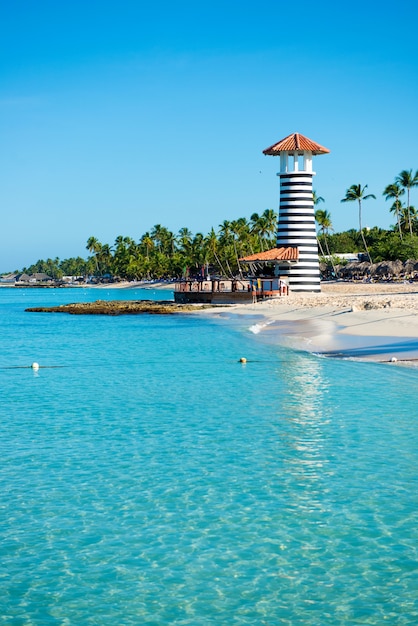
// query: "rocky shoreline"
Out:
[118,307]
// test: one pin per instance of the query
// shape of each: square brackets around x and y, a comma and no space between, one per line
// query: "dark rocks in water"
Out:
[118,307]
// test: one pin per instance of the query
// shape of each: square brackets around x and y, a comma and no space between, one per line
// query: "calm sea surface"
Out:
[147,477]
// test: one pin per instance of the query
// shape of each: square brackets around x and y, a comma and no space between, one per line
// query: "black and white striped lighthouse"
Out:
[296,223]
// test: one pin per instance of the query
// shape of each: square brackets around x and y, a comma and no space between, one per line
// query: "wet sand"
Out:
[377,321]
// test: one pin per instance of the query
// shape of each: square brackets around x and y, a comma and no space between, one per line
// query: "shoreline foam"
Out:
[377,322]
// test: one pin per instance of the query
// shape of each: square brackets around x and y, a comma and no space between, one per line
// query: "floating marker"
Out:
[243,360]
[35,366]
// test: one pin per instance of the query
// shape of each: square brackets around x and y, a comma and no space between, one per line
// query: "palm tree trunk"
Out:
[361,231]
[229,269]
[219,263]
[409,216]
[329,254]
[398,219]
[320,246]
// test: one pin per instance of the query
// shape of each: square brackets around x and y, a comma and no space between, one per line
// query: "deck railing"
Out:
[213,285]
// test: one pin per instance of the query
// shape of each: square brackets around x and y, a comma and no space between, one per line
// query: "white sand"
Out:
[385,316]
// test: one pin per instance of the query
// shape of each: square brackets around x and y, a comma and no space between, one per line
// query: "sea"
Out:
[148,477]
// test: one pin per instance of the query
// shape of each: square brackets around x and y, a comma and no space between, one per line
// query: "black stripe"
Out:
[292,198]
[291,205]
[301,182]
[300,282]
[296,198]
[286,236]
[296,174]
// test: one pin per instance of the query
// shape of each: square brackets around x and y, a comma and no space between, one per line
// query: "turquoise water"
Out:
[147,477]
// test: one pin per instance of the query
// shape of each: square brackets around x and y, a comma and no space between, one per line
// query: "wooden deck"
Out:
[224,291]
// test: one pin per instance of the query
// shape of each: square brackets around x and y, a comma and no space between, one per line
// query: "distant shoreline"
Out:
[119,285]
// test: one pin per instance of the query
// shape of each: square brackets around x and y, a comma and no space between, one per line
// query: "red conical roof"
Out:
[275,254]
[295,143]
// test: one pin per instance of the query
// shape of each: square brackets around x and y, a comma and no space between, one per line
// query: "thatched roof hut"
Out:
[410,266]
[388,269]
[355,270]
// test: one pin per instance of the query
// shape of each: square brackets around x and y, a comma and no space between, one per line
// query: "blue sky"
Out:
[116,116]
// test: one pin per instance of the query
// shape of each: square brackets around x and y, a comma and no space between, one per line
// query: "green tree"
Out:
[147,244]
[123,251]
[323,219]
[163,239]
[94,246]
[184,238]
[407,181]
[317,199]
[105,259]
[355,193]
[392,192]
[212,245]
[74,267]
[408,219]
[258,229]
[240,231]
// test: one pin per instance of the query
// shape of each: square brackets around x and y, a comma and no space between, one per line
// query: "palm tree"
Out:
[257,228]
[105,257]
[236,230]
[198,252]
[225,231]
[317,199]
[185,237]
[225,241]
[407,181]
[212,245]
[148,243]
[408,217]
[323,219]
[353,194]
[163,238]
[270,225]
[398,210]
[95,247]
[393,191]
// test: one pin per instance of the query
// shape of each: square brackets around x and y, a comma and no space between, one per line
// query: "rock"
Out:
[118,307]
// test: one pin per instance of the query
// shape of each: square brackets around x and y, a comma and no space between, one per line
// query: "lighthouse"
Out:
[296,223]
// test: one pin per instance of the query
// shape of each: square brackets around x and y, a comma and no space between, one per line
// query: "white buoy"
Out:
[35,366]
[243,360]
[393,359]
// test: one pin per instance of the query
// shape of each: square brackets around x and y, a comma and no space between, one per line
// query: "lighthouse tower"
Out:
[296,224]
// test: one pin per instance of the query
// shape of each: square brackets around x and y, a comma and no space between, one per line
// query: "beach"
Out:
[368,321]
[373,321]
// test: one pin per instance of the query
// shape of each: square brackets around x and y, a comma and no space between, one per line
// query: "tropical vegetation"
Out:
[162,254]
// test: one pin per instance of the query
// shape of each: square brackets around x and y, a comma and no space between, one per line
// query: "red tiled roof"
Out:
[275,254]
[295,143]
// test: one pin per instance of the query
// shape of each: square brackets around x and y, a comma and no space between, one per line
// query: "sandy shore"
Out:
[367,321]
